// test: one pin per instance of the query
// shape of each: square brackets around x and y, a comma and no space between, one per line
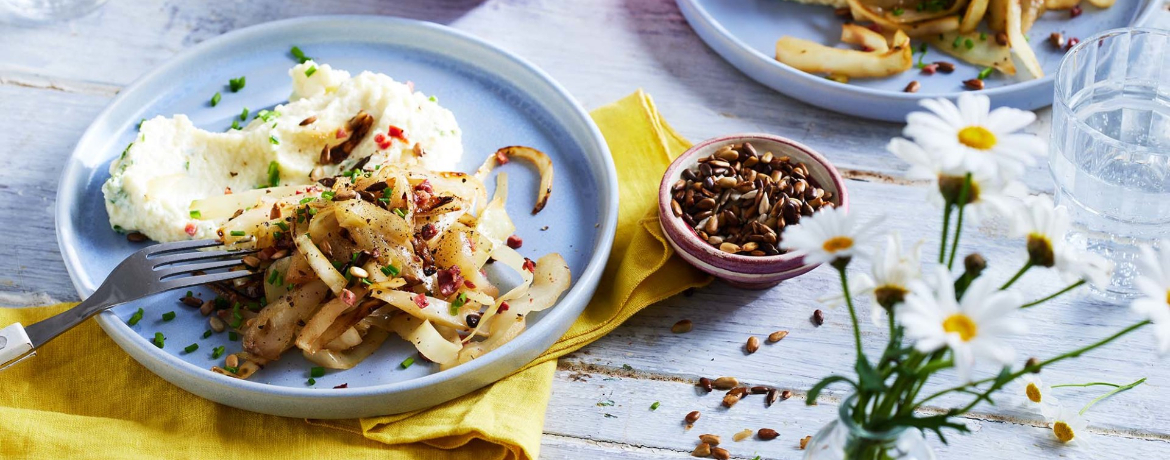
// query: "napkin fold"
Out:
[82,397]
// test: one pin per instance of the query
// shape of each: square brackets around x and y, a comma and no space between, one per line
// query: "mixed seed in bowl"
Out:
[739,201]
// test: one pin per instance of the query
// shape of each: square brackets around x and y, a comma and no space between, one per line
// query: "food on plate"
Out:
[331,122]
[952,26]
[382,250]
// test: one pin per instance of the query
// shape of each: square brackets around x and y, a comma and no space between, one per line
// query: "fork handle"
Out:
[15,345]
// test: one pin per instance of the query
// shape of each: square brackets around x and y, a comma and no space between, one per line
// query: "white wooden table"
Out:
[54,79]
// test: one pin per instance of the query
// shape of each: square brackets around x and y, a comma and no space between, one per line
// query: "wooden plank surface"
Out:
[55,79]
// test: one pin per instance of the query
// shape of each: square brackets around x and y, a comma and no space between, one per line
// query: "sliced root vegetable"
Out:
[273,331]
[429,308]
[310,337]
[348,339]
[1102,3]
[814,57]
[429,342]
[320,264]
[918,29]
[1018,43]
[1031,10]
[515,261]
[862,36]
[985,52]
[536,157]
[349,358]
[975,11]
[912,15]
[494,222]
[274,288]
[224,206]
[1068,4]
[549,282]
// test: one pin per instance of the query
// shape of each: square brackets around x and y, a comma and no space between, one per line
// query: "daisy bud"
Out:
[1040,252]
[974,263]
[951,188]
[841,262]
[889,296]
[1032,365]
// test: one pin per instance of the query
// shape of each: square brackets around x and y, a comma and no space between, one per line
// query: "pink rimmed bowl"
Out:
[743,271]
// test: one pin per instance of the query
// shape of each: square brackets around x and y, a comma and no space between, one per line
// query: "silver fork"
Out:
[155,269]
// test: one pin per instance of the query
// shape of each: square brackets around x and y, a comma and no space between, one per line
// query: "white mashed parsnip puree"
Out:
[173,163]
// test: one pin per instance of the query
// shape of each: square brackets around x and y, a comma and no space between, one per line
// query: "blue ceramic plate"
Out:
[744,32]
[498,99]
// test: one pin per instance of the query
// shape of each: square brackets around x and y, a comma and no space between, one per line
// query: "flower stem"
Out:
[942,250]
[1017,374]
[966,190]
[1111,393]
[1020,273]
[1081,385]
[1053,296]
[852,312]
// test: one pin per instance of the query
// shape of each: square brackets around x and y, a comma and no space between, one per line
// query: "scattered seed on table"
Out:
[190,300]
[1056,39]
[973,84]
[818,317]
[702,450]
[752,344]
[730,400]
[759,390]
[767,434]
[681,327]
[777,336]
[773,396]
[945,67]
[217,324]
[720,453]
[740,436]
[705,383]
[912,87]
[135,237]
[710,439]
[804,442]
[739,392]
[784,395]
[692,416]
[725,383]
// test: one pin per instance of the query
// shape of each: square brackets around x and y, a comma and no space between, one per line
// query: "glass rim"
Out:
[1058,96]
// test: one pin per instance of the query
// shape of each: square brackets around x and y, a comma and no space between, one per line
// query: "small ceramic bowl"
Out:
[752,272]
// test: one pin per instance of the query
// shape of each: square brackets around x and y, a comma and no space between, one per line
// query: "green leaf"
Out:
[811,398]
[869,378]
[935,423]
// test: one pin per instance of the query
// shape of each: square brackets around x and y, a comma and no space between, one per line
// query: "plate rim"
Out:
[75,174]
[1144,13]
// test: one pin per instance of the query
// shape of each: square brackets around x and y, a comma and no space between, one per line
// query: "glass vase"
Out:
[844,439]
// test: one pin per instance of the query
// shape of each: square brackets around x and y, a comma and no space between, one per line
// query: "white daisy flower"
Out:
[1069,427]
[988,196]
[827,236]
[1153,283]
[973,328]
[974,138]
[1034,394]
[1044,225]
[1078,264]
[892,271]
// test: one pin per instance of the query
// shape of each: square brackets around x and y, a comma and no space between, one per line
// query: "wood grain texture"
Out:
[55,79]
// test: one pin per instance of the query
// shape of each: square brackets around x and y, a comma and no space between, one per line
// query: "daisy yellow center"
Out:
[977,137]
[1063,432]
[1168,297]
[837,243]
[1033,392]
[961,324]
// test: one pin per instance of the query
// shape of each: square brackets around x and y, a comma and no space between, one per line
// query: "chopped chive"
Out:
[460,300]
[968,43]
[191,348]
[312,381]
[384,200]
[401,212]
[272,277]
[267,115]
[236,124]
[168,316]
[282,225]
[958,41]
[233,370]
[299,55]
[898,11]
[234,336]
[273,174]
[983,36]
[273,140]
[310,71]
[983,74]
[140,122]
[236,84]
[136,317]
[159,339]
[317,372]
[434,99]
[216,352]
[654,406]
[215,99]
[307,200]
[327,195]
[244,114]
[407,362]
[207,333]
[312,211]
[390,270]
[238,233]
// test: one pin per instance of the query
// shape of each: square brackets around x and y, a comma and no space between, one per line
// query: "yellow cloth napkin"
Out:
[82,397]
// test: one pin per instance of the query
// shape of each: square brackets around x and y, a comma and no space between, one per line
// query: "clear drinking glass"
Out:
[42,11]
[1110,149]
